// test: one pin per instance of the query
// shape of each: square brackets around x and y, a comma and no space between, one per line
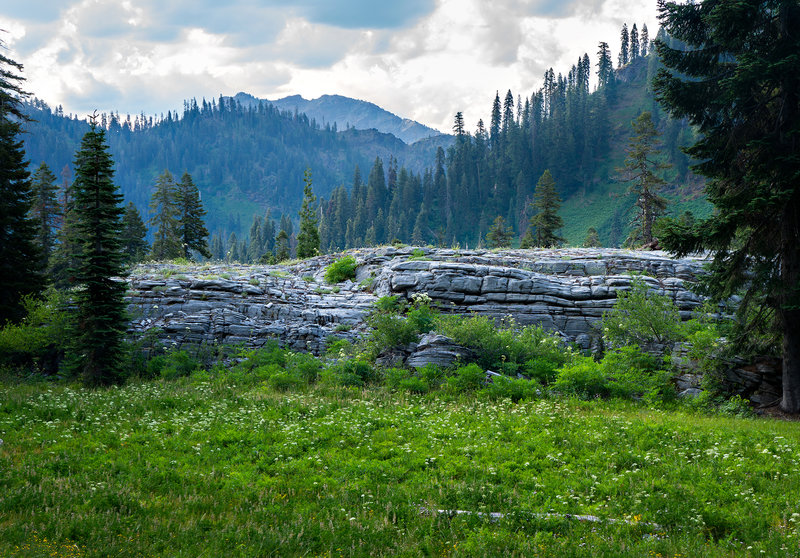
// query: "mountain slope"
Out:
[345,113]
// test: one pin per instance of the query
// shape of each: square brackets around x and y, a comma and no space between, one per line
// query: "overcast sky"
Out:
[421,59]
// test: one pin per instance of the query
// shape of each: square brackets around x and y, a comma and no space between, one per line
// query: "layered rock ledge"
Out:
[565,290]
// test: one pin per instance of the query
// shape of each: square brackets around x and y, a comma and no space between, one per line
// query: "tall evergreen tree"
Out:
[282,246]
[605,68]
[739,83]
[134,231]
[546,221]
[634,43]
[640,169]
[623,45]
[167,243]
[99,323]
[308,237]
[191,226]
[45,210]
[20,259]
[645,38]
[592,238]
[499,236]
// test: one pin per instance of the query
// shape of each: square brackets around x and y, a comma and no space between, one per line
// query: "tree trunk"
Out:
[789,298]
[790,402]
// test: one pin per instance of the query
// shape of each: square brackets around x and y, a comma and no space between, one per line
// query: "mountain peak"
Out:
[346,112]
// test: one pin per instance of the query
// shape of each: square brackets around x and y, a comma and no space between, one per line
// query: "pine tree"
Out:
[640,167]
[134,245]
[546,221]
[45,211]
[738,82]
[20,259]
[191,226]
[623,45]
[634,43]
[592,238]
[167,243]
[499,236]
[99,323]
[282,246]
[308,237]
[605,68]
[645,41]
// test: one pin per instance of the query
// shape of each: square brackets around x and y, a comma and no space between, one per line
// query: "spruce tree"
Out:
[167,243]
[308,237]
[641,165]
[20,258]
[499,236]
[45,211]
[99,323]
[546,221]
[191,227]
[634,43]
[645,39]
[738,82]
[282,246]
[623,45]
[134,231]
[592,238]
[605,68]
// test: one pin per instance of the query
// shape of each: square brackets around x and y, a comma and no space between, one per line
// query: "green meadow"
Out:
[225,464]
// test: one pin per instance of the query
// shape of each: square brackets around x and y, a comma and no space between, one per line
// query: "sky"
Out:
[420,59]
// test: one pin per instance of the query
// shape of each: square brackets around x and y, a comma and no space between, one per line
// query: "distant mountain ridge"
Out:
[347,112]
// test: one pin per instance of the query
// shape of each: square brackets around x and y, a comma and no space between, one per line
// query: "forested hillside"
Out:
[248,158]
[580,136]
[245,160]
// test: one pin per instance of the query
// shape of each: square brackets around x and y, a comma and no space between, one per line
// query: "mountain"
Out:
[246,160]
[346,113]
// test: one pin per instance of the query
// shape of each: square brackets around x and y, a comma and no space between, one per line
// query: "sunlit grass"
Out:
[226,466]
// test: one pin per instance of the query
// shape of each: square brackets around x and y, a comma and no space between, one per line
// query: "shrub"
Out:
[341,270]
[304,366]
[432,375]
[270,353]
[634,373]
[285,381]
[38,342]
[503,387]
[415,384]
[418,254]
[641,316]
[466,378]
[583,377]
[506,347]
[393,376]
[353,372]
[541,369]
[391,329]
[172,365]
[421,315]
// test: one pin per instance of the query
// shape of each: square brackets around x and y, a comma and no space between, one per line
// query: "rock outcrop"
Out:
[562,290]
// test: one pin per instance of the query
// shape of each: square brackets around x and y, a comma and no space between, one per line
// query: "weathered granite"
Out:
[565,290]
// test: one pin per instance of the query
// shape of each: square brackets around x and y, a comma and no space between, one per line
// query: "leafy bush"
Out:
[641,316]
[170,366]
[38,342]
[415,384]
[583,377]
[541,369]
[341,270]
[432,375]
[270,353]
[304,367]
[466,378]
[285,381]
[506,347]
[418,254]
[503,387]
[352,372]
[634,373]
[392,329]
[421,315]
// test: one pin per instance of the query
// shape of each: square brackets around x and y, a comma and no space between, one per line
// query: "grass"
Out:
[214,465]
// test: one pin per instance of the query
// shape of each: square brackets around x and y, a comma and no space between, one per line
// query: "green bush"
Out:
[634,373]
[304,366]
[422,316]
[393,376]
[38,342]
[583,377]
[341,270]
[506,347]
[172,365]
[541,369]
[432,375]
[270,353]
[466,379]
[352,372]
[285,381]
[392,329]
[641,316]
[415,384]
[503,387]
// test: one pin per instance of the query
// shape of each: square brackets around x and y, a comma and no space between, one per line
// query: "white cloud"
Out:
[148,56]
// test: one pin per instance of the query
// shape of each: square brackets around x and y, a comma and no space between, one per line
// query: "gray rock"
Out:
[439,350]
